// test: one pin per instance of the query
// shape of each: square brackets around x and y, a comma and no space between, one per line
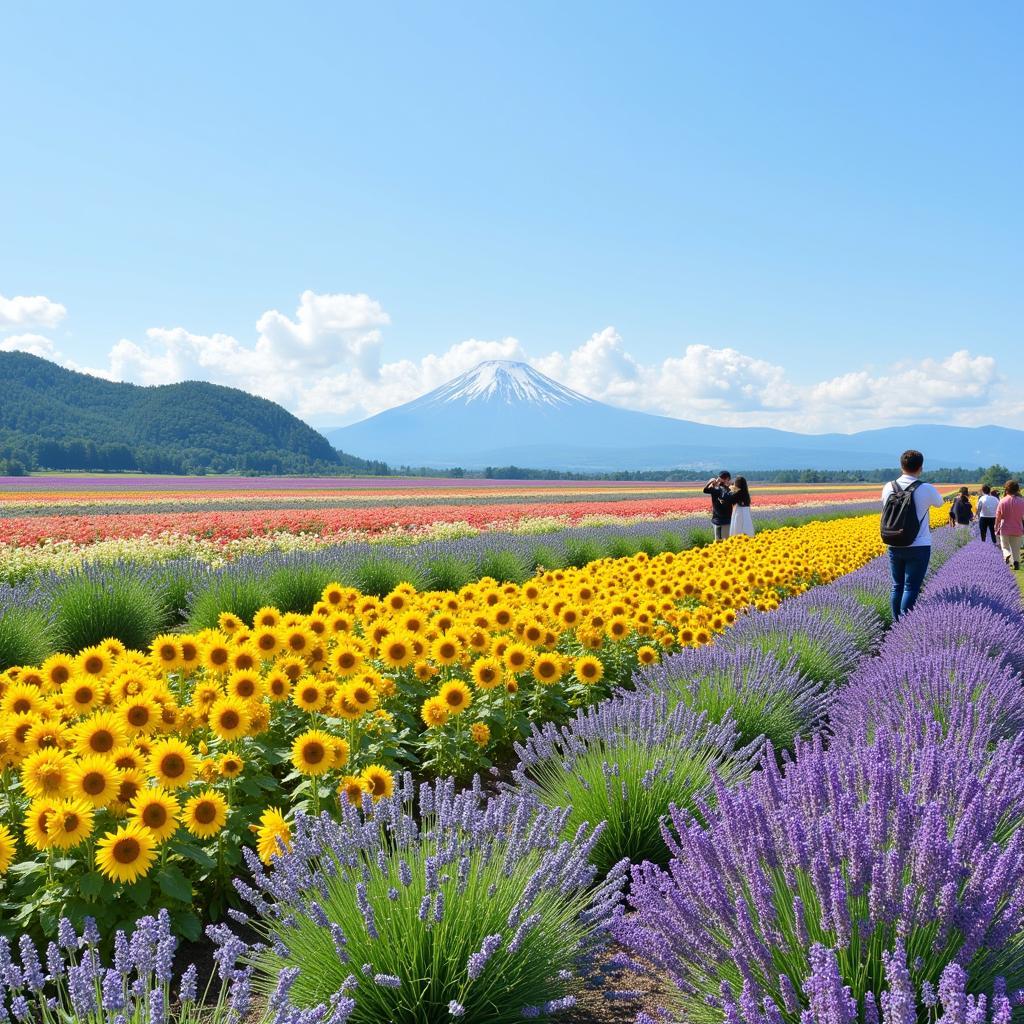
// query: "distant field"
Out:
[86,509]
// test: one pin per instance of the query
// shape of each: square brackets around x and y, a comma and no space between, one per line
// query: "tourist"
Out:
[961,515]
[1010,523]
[987,505]
[906,530]
[741,522]
[721,505]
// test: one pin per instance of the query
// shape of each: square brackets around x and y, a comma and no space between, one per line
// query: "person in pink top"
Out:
[1010,523]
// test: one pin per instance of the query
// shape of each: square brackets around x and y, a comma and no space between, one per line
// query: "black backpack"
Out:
[900,525]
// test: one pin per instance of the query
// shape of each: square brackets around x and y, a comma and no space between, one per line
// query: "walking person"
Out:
[741,522]
[721,505]
[1010,523]
[961,515]
[987,505]
[906,504]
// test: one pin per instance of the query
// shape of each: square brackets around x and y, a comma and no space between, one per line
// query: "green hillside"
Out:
[53,418]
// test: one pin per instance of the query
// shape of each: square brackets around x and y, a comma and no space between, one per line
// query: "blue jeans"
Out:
[908,567]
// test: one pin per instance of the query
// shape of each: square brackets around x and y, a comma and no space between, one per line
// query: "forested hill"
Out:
[53,418]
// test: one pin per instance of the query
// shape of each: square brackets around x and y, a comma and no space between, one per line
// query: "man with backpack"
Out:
[906,505]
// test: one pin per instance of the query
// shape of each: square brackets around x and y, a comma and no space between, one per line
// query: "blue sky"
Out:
[769,213]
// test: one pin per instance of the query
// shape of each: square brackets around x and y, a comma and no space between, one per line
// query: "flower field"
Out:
[591,773]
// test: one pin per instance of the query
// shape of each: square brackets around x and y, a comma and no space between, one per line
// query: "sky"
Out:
[804,215]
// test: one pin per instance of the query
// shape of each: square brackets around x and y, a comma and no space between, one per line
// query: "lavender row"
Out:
[881,877]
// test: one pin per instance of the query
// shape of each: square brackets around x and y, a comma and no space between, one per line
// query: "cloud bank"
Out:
[326,363]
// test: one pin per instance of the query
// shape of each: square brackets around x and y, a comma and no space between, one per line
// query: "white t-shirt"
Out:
[987,505]
[926,496]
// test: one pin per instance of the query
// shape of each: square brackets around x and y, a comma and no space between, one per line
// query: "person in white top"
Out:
[987,505]
[909,564]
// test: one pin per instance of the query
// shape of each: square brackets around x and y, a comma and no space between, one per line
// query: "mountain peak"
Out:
[505,381]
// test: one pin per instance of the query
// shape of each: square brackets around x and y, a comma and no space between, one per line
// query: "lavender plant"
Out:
[424,908]
[624,762]
[71,984]
[760,696]
[870,852]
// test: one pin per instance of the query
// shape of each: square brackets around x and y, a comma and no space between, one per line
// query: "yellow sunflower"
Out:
[434,712]
[82,694]
[456,696]
[229,718]
[100,734]
[58,669]
[345,660]
[487,673]
[398,650]
[230,766]
[69,824]
[309,695]
[267,641]
[172,763]
[380,780]
[215,654]
[36,819]
[94,661]
[165,652]
[127,854]
[94,779]
[272,834]
[7,849]
[140,714]
[445,650]
[279,686]
[480,733]
[206,814]
[547,669]
[352,788]
[312,752]
[158,811]
[588,670]
[245,684]
[45,773]
[21,699]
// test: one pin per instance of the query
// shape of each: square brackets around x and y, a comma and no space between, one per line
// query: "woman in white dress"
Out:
[742,521]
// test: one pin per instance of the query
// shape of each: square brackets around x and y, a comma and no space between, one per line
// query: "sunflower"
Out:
[46,735]
[294,668]
[362,695]
[445,650]
[647,655]
[424,671]
[21,699]
[127,854]
[352,788]
[279,686]
[487,673]
[158,811]
[272,834]
[58,669]
[340,623]
[206,814]
[309,695]
[101,734]
[380,781]
[45,773]
[333,594]
[215,654]
[297,640]
[588,670]
[456,696]
[139,714]
[548,669]
[230,766]
[398,650]
[69,824]
[204,695]
[518,658]
[36,820]
[127,758]
[7,849]
[345,660]
[229,718]
[129,784]
[243,659]
[165,652]
[82,694]
[172,763]
[228,622]
[480,733]
[94,779]
[339,752]
[434,712]
[313,752]
[267,641]
[191,653]
[266,616]
[245,684]
[94,661]
[618,627]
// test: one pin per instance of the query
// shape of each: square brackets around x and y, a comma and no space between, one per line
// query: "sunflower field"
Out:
[134,780]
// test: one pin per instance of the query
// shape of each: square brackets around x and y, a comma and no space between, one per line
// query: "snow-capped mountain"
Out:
[504,413]
[502,380]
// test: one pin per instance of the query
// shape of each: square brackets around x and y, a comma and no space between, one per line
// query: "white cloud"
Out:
[325,364]
[30,311]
